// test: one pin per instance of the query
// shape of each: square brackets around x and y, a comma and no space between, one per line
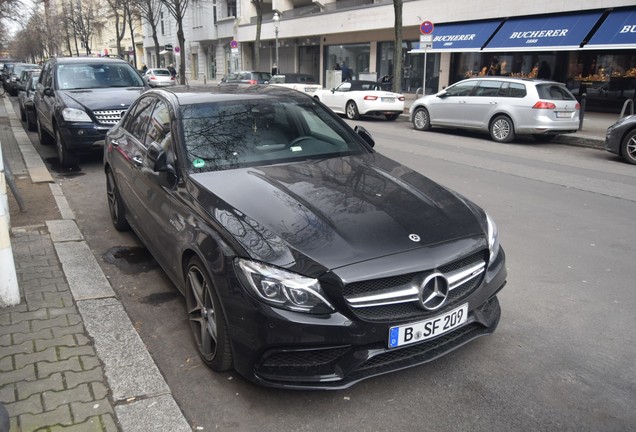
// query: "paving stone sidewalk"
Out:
[50,376]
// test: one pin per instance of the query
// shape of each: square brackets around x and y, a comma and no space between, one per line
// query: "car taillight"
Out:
[401,98]
[153,78]
[544,105]
[577,106]
[370,97]
[253,82]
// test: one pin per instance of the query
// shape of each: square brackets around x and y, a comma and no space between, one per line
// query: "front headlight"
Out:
[283,289]
[75,115]
[493,239]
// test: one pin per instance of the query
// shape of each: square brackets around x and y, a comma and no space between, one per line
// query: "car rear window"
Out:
[162,72]
[554,92]
[261,76]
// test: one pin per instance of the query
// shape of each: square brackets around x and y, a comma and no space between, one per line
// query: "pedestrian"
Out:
[346,72]
[494,69]
[275,69]
[544,71]
[173,71]
[144,68]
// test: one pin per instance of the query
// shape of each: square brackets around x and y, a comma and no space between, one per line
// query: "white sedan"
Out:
[356,98]
[159,77]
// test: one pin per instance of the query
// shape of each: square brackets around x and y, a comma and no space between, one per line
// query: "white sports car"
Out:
[356,98]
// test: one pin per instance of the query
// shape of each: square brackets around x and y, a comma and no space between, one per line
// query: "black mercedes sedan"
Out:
[620,139]
[307,259]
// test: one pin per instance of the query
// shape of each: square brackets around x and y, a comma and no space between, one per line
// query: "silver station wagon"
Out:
[503,106]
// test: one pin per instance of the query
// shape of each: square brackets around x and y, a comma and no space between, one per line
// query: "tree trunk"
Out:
[132,36]
[397,62]
[257,42]
[182,59]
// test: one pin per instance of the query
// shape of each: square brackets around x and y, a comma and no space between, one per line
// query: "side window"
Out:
[503,90]
[461,89]
[488,88]
[137,123]
[159,127]
[45,77]
[517,90]
[344,87]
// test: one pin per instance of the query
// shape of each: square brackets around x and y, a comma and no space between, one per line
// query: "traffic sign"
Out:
[233,44]
[426,27]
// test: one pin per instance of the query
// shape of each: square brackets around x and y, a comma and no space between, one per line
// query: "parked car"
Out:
[25,100]
[159,77]
[296,81]
[78,99]
[356,98]
[307,259]
[13,79]
[246,78]
[503,106]
[621,139]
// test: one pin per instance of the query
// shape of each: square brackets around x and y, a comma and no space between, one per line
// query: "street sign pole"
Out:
[426,41]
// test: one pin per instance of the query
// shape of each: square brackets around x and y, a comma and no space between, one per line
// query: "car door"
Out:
[154,185]
[44,103]
[337,98]
[483,103]
[448,108]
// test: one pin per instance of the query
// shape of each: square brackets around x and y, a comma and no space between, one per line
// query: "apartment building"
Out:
[589,44]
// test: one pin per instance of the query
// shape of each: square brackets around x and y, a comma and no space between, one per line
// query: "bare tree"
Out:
[397,63]
[177,9]
[131,12]
[117,12]
[150,11]
[86,17]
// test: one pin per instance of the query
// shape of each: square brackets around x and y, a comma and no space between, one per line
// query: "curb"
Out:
[141,397]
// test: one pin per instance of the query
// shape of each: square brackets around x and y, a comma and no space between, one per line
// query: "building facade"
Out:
[588,44]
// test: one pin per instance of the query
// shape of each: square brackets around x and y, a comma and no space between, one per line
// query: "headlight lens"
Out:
[493,239]
[284,289]
[75,115]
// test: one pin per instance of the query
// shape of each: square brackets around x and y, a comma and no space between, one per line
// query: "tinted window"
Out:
[517,90]
[488,88]
[159,128]
[461,89]
[235,134]
[137,122]
[554,92]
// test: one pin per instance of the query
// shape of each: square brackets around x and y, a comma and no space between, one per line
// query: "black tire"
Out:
[207,320]
[392,117]
[421,119]
[115,204]
[67,158]
[543,138]
[628,148]
[31,126]
[351,111]
[501,129]
[22,114]
[43,136]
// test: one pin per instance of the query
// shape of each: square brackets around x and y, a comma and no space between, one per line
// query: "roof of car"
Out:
[202,93]
[87,60]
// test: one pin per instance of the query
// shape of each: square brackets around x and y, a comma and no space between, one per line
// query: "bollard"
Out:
[205,79]
[9,291]
[582,111]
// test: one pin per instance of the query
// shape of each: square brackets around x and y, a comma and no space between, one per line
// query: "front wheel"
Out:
[502,130]
[352,111]
[67,159]
[206,317]
[421,119]
[628,148]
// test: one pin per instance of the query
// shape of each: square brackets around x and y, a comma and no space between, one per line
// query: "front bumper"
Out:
[80,137]
[284,349]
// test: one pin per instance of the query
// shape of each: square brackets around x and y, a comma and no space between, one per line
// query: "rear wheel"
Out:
[206,317]
[115,205]
[543,138]
[392,117]
[352,111]
[628,148]
[30,124]
[67,159]
[502,130]
[421,119]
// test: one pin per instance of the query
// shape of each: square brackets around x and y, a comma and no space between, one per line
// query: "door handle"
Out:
[114,142]
[138,160]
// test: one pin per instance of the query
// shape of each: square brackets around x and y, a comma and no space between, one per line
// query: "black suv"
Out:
[78,99]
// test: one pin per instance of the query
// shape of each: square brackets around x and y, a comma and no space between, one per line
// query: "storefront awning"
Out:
[552,33]
[617,31]
[464,37]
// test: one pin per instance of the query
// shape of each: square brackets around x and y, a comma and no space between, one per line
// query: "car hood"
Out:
[100,98]
[334,212]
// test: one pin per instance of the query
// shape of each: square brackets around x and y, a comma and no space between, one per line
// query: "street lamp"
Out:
[276,19]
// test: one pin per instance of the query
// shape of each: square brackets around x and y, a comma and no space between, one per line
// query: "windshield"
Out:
[262,131]
[88,76]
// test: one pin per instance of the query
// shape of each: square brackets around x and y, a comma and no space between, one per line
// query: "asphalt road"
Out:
[562,357]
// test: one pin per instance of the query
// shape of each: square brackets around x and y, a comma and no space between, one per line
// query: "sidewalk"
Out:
[70,358]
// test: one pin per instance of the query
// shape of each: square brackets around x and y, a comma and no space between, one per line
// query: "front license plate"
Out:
[564,114]
[423,330]
[387,99]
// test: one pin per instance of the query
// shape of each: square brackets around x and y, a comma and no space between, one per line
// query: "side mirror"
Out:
[159,159]
[333,90]
[442,95]
[48,91]
[365,135]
